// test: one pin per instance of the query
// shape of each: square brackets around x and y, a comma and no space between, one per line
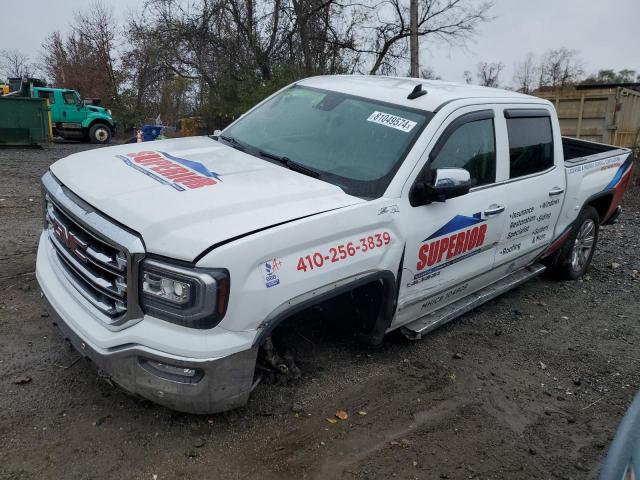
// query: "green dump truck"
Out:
[71,116]
[72,119]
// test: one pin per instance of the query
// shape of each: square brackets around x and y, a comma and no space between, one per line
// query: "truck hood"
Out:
[186,195]
[96,109]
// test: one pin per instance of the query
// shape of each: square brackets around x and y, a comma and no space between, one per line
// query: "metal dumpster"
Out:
[607,113]
[24,121]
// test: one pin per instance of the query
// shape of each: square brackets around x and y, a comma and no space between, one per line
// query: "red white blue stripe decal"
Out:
[624,168]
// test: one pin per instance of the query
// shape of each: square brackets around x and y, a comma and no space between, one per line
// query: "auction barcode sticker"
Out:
[392,121]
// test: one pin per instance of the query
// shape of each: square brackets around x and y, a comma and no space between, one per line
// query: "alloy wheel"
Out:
[583,245]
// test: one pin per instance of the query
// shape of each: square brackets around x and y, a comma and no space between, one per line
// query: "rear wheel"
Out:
[577,252]
[100,133]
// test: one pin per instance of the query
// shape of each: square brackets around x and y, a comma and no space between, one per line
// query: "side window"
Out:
[48,95]
[69,98]
[530,145]
[471,146]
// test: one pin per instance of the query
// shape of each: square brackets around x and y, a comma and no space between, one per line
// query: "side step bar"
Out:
[418,328]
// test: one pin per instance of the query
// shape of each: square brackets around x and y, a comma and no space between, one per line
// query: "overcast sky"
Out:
[606,32]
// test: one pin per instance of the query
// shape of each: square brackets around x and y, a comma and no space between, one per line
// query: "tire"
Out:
[100,134]
[576,254]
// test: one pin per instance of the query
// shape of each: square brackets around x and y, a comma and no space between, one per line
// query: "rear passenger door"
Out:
[536,184]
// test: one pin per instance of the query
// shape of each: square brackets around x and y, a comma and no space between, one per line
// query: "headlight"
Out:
[192,297]
[166,288]
[109,112]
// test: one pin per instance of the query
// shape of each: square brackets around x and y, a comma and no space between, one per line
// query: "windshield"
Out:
[353,142]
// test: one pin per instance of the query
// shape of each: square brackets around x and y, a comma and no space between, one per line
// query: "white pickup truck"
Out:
[170,264]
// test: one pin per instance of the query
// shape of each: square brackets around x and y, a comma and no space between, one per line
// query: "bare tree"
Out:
[468,77]
[449,21]
[146,81]
[560,68]
[54,58]
[489,74]
[71,61]
[86,58]
[97,26]
[526,74]
[216,58]
[15,64]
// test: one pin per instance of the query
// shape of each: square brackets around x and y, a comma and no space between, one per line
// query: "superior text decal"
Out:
[460,238]
[179,173]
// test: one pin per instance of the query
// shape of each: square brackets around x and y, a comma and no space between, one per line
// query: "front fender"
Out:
[274,267]
[93,117]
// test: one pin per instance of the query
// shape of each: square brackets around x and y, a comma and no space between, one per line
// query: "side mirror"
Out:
[439,185]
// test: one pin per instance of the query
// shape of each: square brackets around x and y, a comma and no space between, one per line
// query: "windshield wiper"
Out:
[290,164]
[233,142]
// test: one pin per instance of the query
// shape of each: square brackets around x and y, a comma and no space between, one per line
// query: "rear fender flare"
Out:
[552,252]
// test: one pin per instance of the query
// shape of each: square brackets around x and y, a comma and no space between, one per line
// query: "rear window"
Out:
[530,145]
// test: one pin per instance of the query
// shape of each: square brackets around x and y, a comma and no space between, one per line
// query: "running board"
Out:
[418,328]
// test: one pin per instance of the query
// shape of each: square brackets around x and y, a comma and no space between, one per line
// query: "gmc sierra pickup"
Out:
[170,264]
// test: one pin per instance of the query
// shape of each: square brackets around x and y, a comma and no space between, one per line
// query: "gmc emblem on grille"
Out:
[69,239]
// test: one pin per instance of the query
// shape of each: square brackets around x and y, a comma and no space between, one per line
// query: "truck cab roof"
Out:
[52,89]
[396,89]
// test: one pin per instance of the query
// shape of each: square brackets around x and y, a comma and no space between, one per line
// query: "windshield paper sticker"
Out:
[270,268]
[392,121]
[179,173]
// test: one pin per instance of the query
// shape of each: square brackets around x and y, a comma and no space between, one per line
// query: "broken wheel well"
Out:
[373,295]
[363,308]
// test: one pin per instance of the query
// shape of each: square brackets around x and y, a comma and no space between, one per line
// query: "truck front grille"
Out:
[97,269]
[95,255]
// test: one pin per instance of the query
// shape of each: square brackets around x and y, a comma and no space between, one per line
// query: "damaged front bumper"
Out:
[183,384]
[218,377]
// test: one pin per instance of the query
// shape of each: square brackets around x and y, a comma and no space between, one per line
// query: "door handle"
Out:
[494,210]
[556,191]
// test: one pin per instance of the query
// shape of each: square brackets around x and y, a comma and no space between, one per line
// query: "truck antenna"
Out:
[417,92]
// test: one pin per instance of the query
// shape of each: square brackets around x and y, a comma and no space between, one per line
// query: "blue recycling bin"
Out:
[151,132]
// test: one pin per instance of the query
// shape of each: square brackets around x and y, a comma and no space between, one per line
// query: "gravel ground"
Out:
[531,385]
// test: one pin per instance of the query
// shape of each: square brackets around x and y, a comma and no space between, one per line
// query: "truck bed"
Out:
[578,151]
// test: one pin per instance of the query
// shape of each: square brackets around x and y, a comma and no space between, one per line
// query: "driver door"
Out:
[451,245]
[72,109]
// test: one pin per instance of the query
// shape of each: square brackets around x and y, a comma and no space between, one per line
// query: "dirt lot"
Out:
[531,385]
